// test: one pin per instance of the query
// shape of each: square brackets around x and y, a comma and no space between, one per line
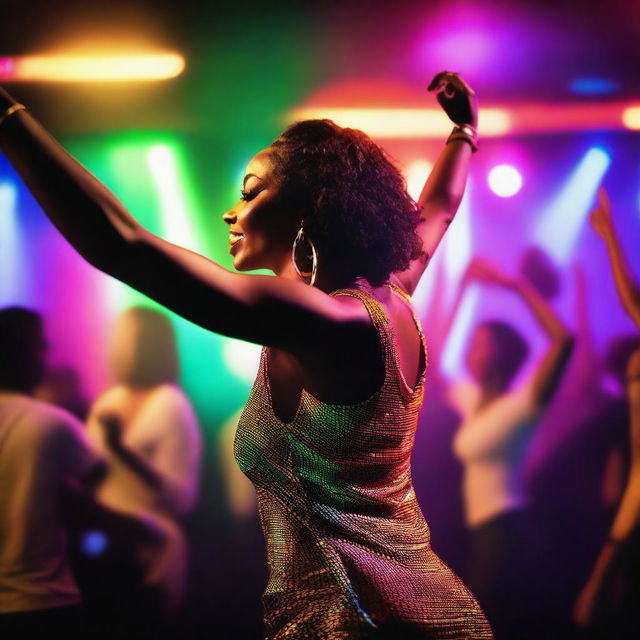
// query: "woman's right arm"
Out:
[261,309]
[626,284]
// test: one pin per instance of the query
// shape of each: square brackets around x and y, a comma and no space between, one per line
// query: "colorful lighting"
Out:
[12,289]
[504,180]
[592,86]
[517,119]
[94,543]
[242,358]
[558,228]
[403,123]
[452,358]
[177,225]
[91,68]
[631,117]
[416,175]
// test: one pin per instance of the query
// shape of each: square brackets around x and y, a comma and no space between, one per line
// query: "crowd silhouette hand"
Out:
[112,427]
[456,97]
[601,217]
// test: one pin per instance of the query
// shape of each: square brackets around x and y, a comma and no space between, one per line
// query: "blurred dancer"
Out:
[498,423]
[329,427]
[147,430]
[609,600]
[62,387]
[42,449]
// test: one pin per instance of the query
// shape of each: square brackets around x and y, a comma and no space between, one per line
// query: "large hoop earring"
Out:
[313,255]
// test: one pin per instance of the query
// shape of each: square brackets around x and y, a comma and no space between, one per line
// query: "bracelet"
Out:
[465,132]
[11,110]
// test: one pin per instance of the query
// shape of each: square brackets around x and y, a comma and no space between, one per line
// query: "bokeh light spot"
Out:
[504,180]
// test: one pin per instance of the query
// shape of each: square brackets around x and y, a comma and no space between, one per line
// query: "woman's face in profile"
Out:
[261,230]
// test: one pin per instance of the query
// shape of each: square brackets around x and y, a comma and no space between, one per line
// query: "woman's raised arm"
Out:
[261,309]
[444,188]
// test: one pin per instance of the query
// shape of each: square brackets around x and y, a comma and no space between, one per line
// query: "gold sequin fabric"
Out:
[347,544]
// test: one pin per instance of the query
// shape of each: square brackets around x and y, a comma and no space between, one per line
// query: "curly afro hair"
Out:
[356,207]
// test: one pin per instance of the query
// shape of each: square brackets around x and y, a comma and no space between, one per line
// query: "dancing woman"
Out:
[328,430]
[608,601]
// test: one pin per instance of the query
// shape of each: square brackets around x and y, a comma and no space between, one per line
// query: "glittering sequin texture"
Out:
[347,545]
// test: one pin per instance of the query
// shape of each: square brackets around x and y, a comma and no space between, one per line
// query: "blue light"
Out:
[558,227]
[452,362]
[12,267]
[94,543]
[593,86]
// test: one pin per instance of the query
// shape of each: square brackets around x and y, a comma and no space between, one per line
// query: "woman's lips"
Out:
[234,239]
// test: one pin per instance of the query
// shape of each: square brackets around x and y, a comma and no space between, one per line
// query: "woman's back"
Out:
[348,546]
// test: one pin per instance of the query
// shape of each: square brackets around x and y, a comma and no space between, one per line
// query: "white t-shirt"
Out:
[41,447]
[492,443]
[165,433]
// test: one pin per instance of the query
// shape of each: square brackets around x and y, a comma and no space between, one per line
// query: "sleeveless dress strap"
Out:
[385,330]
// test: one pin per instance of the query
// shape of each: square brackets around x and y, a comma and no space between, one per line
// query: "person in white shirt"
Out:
[42,450]
[497,426]
[148,432]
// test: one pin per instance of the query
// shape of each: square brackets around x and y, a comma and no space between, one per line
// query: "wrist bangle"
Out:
[465,132]
[10,111]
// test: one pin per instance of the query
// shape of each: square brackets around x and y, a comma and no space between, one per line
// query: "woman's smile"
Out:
[234,238]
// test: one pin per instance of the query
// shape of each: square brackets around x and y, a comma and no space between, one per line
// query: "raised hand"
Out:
[484,271]
[456,97]
[601,218]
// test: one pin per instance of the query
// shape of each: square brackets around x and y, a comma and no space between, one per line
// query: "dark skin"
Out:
[323,344]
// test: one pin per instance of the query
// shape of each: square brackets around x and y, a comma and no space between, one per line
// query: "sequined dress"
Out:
[347,544]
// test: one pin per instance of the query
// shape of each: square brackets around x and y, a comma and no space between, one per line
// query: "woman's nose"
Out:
[229,217]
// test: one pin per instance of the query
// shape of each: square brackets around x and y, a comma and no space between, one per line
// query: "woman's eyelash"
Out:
[249,195]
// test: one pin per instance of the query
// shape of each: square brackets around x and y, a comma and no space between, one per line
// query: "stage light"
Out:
[403,123]
[453,254]
[12,289]
[559,225]
[504,180]
[177,220]
[416,175]
[91,68]
[592,86]
[452,363]
[631,117]
[242,358]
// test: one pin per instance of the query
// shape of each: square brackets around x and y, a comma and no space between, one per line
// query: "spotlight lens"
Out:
[504,180]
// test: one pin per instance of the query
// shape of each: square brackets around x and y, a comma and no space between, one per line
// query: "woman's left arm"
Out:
[444,188]
[262,309]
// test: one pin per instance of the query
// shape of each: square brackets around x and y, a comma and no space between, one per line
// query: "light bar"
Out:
[91,68]
[631,117]
[403,123]
[525,118]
